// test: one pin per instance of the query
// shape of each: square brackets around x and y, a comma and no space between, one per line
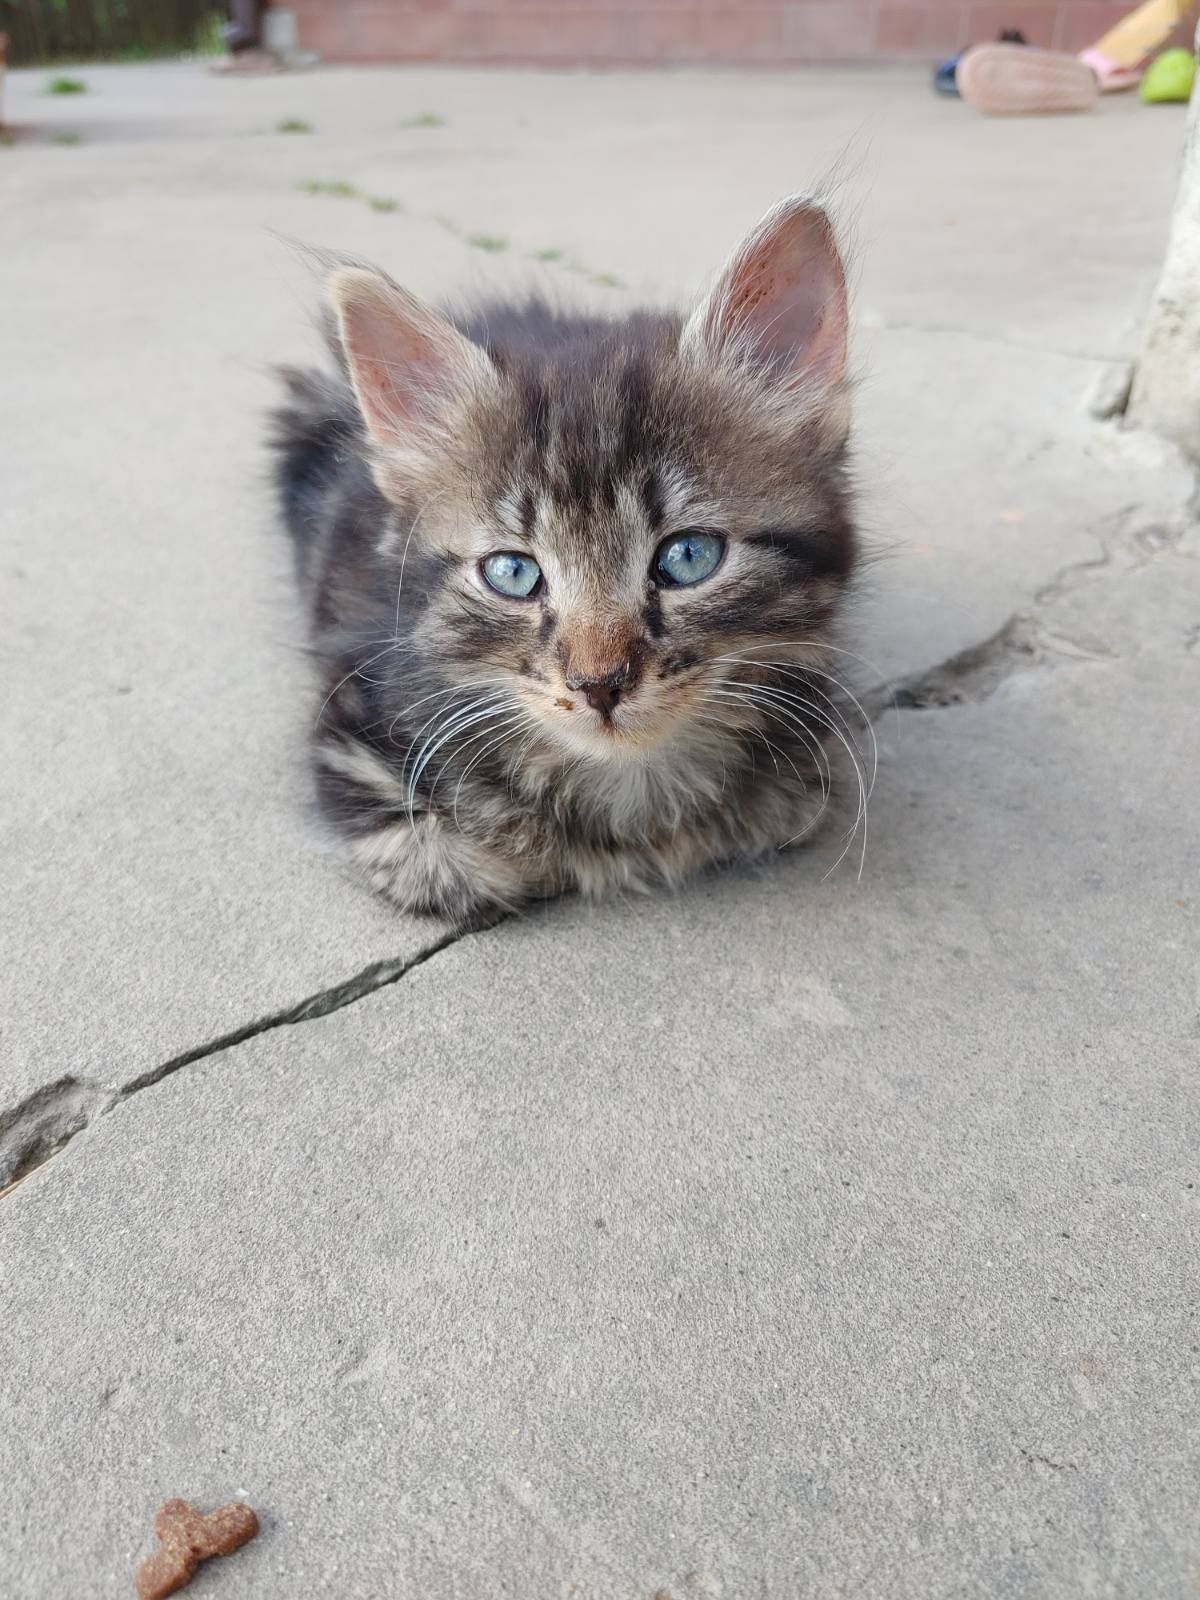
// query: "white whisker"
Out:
[725,694]
[461,688]
[842,730]
[478,710]
[506,731]
[776,696]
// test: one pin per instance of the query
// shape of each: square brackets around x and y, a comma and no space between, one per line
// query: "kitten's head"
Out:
[603,515]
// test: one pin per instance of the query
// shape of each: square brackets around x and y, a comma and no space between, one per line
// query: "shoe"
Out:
[1015,79]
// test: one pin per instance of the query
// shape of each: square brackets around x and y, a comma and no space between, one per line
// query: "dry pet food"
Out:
[188,1538]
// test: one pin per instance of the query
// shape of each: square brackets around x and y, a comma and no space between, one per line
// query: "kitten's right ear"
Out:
[410,367]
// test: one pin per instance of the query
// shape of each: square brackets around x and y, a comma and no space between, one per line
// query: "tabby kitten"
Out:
[571,580]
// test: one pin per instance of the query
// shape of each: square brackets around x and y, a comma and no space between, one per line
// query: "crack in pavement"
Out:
[974,673]
[1036,1458]
[45,1122]
[1024,641]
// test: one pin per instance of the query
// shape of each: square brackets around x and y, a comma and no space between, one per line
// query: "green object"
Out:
[1169,77]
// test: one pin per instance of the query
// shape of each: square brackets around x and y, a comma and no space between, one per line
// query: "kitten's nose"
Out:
[601,694]
[600,697]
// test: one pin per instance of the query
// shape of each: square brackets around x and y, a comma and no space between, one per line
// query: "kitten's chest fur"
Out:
[593,826]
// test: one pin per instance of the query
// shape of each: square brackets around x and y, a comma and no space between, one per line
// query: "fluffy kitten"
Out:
[571,581]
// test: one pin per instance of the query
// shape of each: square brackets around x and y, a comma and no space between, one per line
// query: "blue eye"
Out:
[514,576]
[688,558]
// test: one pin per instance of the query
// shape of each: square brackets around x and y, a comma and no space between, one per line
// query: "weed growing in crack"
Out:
[426,119]
[66,86]
[293,125]
[490,243]
[67,137]
[339,188]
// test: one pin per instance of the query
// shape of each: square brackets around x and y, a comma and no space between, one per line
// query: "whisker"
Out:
[791,720]
[860,820]
[725,694]
[355,672]
[416,522]
[808,735]
[479,710]
[861,816]
[506,730]
[883,683]
[463,688]
[803,673]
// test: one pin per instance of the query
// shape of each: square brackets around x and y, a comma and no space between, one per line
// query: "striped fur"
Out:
[453,758]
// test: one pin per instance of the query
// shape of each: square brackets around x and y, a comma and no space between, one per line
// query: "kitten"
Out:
[571,581]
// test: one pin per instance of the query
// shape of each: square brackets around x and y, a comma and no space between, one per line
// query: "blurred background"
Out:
[576,32]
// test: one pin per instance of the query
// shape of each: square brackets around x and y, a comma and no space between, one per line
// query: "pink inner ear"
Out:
[397,370]
[786,295]
[409,364]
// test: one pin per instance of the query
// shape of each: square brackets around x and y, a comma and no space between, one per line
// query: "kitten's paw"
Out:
[428,867]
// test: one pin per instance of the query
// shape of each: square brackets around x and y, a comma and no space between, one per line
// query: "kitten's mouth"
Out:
[630,726]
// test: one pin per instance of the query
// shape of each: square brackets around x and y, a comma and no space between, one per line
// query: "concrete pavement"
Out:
[800,1235]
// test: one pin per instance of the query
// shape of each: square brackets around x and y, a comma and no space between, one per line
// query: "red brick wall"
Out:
[579,32]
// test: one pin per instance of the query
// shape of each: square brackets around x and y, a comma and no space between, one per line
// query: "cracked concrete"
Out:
[1055,629]
[45,1122]
[794,1235]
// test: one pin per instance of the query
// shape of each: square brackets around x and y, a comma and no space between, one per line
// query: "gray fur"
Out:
[453,758]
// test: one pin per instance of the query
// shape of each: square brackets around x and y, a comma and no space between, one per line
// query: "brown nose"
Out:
[601,694]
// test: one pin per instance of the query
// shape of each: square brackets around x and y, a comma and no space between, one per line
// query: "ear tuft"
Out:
[780,304]
[408,363]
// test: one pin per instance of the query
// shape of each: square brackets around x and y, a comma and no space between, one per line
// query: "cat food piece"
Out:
[188,1538]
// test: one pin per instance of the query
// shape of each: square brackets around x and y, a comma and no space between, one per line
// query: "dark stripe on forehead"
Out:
[652,500]
[636,422]
[535,410]
[605,429]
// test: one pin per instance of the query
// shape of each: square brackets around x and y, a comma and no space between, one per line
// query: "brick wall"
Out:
[599,32]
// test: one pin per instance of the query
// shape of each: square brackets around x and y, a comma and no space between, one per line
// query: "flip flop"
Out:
[1013,79]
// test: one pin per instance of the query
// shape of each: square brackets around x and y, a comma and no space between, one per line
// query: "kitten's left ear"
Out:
[780,304]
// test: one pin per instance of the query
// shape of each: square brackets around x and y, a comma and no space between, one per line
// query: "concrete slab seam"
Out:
[44,1123]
